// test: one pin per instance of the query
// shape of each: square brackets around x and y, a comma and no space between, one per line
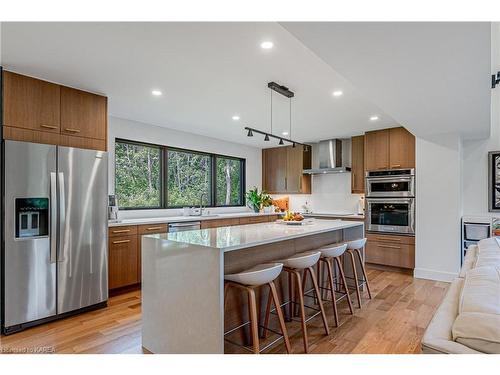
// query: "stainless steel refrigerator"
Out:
[54,233]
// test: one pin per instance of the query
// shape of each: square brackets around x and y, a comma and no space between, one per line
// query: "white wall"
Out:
[136,131]
[475,153]
[438,207]
[330,193]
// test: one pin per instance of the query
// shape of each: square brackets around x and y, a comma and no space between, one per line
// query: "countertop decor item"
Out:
[256,201]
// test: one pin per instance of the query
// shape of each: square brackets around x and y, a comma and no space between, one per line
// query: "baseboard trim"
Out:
[423,273]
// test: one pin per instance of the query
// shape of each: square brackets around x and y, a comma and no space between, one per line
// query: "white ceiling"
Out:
[207,71]
[434,78]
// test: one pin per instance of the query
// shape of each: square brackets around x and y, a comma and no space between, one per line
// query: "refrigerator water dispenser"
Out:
[32,217]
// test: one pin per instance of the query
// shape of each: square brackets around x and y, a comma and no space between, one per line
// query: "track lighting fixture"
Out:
[281,141]
[250,134]
[266,138]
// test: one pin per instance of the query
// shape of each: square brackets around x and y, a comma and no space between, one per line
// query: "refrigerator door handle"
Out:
[62,218]
[53,218]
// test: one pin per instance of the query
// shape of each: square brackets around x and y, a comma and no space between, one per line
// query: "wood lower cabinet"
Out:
[30,103]
[282,170]
[123,261]
[390,250]
[358,165]
[43,112]
[125,248]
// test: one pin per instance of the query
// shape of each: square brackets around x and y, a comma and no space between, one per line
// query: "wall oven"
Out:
[394,215]
[390,183]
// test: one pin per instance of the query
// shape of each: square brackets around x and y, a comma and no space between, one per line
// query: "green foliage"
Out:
[137,177]
[188,178]
[228,182]
[189,175]
[256,200]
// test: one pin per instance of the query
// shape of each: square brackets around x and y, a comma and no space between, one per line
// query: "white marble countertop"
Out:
[243,236]
[176,219]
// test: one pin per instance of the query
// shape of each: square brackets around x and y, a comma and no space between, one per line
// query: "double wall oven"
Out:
[390,200]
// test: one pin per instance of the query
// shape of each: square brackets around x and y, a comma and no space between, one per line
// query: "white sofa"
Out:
[468,319]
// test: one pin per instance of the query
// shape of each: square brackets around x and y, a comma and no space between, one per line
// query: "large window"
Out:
[137,175]
[228,187]
[189,178]
[150,176]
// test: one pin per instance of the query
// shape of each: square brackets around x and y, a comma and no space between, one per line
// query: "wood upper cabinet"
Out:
[83,114]
[274,169]
[389,149]
[401,148]
[44,112]
[358,164]
[377,150]
[30,103]
[282,170]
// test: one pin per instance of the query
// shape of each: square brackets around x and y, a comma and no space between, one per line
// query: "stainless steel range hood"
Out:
[331,156]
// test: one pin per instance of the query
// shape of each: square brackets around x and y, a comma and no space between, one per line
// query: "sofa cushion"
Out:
[469,260]
[489,245]
[437,337]
[478,322]
[488,260]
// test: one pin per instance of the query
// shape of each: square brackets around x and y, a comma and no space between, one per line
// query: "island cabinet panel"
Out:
[282,170]
[401,148]
[358,165]
[30,103]
[123,261]
[376,150]
[391,250]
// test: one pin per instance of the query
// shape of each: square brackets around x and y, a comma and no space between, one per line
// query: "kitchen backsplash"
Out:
[330,193]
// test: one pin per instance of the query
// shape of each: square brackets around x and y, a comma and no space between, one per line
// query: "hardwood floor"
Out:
[392,322]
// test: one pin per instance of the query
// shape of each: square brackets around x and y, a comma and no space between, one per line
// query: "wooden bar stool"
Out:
[293,266]
[354,247]
[248,281]
[331,256]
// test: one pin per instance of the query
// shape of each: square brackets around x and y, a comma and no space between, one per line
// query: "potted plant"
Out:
[256,201]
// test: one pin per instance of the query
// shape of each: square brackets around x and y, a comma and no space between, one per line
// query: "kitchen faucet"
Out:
[202,195]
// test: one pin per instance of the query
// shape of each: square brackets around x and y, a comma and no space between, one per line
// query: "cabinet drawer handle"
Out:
[122,241]
[121,231]
[389,239]
[153,228]
[48,126]
[72,130]
[396,166]
[390,247]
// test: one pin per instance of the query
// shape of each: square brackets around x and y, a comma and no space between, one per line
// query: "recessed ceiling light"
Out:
[337,93]
[285,133]
[374,118]
[236,117]
[266,45]
[156,93]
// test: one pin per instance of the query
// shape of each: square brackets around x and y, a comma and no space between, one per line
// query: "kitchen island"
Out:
[183,277]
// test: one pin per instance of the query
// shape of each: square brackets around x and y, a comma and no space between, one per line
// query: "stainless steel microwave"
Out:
[390,183]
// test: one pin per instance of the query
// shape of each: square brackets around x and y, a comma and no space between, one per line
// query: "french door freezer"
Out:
[55,231]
